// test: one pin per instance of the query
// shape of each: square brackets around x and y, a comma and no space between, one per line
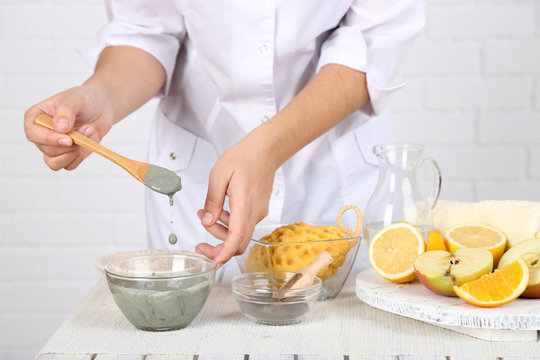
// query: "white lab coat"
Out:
[233,64]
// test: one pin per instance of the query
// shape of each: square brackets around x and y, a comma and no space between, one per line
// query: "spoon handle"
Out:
[81,140]
[309,272]
[305,276]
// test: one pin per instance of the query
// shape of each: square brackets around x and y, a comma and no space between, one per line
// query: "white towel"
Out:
[519,220]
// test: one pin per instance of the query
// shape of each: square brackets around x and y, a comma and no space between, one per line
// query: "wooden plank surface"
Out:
[256,357]
[66,357]
[221,357]
[115,357]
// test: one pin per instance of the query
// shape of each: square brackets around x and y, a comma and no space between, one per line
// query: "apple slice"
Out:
[440,270]
[530,251]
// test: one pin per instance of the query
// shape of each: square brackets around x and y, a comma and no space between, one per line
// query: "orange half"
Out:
[496,288]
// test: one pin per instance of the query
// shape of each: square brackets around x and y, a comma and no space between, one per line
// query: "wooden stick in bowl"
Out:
[305,276]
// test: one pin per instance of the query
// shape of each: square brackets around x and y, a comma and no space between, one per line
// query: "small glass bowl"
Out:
[263,256]
[260,299]
[161,292]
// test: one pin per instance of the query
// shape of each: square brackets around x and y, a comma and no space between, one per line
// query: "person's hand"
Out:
[84,109]
[244,173]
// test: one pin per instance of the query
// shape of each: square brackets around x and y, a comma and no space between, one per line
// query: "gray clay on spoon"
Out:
[163,181]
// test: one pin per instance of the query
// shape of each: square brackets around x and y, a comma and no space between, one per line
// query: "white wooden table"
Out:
[344,328]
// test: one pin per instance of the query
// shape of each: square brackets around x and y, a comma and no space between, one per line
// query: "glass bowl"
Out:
[109,258]
[260,299]
[293,256]
[161,292]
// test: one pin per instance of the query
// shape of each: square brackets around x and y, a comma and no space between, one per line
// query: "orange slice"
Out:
[476,235]
[497,288]
[435,241]
[393,249]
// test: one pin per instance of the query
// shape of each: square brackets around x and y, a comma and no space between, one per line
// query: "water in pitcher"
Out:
[399,195]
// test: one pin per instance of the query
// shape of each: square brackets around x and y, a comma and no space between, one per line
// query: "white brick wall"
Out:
[54,225]
[482,19]
[473,97]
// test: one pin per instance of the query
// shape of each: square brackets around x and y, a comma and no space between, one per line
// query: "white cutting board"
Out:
[518,320]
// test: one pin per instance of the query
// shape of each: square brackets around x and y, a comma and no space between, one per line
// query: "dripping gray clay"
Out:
[166,182]
[163,181]
[172,239]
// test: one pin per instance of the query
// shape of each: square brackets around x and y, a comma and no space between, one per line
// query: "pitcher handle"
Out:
[439,179]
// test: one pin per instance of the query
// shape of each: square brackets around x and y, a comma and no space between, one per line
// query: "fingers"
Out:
[217,230]
[58,148]
[208,250]
[82,154]
[224,217]
[89,131]
[235,242]
[247,182]
[61,161]
[65,114]
[41,135]
[64,157]
[64,109]
[238,236]
[69,160]
[215,198]
[53,151]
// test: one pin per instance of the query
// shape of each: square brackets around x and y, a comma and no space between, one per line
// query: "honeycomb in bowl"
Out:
[295,246]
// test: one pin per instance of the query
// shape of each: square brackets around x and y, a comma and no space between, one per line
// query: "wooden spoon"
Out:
[155,177]
[305,276]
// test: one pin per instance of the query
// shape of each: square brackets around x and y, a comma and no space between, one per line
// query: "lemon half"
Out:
[393,249]
[476,235]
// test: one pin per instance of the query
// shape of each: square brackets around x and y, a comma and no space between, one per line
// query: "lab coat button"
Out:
[276,192]
[172,156]
[263,48]
[264,119]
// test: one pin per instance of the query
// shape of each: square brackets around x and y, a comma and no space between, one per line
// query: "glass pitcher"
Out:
[398,196]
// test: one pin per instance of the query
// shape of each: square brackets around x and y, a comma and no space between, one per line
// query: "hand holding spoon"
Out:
[155,177]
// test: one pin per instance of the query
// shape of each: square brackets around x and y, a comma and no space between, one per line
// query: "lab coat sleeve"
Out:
[374,37]
[153,26]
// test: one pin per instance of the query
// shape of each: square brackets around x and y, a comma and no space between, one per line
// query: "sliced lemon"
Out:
[476,235]
[393,249]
